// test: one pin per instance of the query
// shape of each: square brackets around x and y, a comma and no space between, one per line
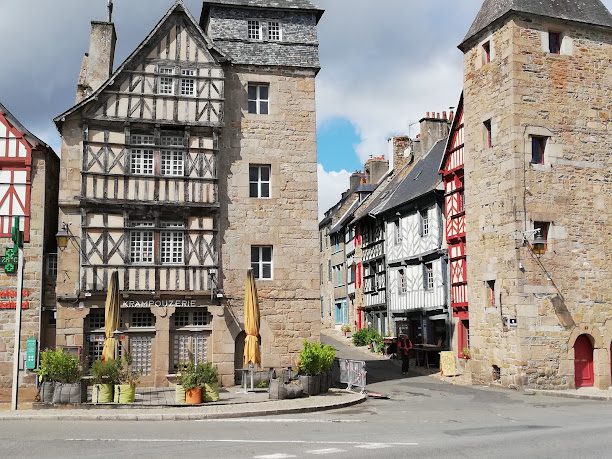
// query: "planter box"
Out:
[211,392]
[193,396]
[282,391]
[46,392]
[102,393]
[125,393]
[68,393]
[311,384]
[180,395]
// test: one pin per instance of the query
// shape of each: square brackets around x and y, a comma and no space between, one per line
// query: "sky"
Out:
[384,64]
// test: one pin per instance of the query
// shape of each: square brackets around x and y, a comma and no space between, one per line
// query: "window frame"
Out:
[397,227]
[252,26]
[169,74]
[142,161]
[429,278]
[261,263]
[51,265]
[425,227]
[258,100]
[279,37]
[187,79]
[403,282]
[168,247]
[172,163]
[137,251]
[260,182]
[541,142]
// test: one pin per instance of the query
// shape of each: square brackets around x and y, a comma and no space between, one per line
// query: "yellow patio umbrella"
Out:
[111,317]
[252,353]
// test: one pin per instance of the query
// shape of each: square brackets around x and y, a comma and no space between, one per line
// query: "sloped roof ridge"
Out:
[290,4]
[32,139]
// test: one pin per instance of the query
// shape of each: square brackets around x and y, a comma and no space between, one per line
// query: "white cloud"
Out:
[331,186]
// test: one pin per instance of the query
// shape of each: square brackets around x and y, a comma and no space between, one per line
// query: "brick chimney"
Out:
[405,151]
[357,178]
[434,127]
[97,65]
[376,168]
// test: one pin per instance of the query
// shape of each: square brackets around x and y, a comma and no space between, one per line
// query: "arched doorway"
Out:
[583,362]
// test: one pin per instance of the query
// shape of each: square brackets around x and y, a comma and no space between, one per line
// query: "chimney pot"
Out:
[444,115]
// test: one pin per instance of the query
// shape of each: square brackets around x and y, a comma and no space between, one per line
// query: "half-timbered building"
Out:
[28,193]
[168,180]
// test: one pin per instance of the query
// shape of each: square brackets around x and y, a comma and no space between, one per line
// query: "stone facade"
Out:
[525,336]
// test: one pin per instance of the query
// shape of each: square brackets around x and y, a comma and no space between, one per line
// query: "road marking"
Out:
[283,421]
[357,444]
[274,456]
[375,446]
[326,451]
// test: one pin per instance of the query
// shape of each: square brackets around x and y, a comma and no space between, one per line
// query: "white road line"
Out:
[326,451]
[274,456]
[357,444]
[282,421]
[374,446]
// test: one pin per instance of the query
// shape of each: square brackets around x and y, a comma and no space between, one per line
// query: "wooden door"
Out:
[583,362]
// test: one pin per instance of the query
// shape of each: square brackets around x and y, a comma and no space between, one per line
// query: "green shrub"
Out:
[207,374]
[106,372]
[366,336]
[189,377]
[316,358]
[327,358]
[58,366]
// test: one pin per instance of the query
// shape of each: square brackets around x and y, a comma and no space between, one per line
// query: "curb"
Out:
[183,416]
[605,398]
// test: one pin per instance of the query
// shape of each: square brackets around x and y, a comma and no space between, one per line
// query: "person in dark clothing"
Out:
[404,347]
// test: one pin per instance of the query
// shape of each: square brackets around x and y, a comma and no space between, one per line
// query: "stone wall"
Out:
[286,140]
[527,91]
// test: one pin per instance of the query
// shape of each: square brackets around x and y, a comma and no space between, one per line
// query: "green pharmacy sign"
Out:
[10,259]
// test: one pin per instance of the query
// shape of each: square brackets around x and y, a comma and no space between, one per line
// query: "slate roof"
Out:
[586,11]
[31,138]
[337,226]
[422,179]
[289,4]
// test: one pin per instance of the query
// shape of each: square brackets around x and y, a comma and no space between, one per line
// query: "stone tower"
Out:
[538,104]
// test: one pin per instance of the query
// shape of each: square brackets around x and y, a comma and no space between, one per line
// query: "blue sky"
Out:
[337,140]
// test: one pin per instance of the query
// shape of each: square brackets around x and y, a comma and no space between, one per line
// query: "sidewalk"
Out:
[584,393]
[255,404]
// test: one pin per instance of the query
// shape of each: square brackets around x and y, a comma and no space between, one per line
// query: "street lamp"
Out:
[62,236]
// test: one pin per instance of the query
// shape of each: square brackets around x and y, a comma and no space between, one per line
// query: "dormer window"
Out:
[274,31]
[254,30]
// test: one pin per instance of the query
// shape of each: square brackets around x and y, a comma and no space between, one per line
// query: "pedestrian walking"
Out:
[404,347]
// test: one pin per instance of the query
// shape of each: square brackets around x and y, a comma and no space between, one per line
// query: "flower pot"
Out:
[211,392]
[311,384]
[180,395]
[102,393]
[67,393]
[193,396]
[46,392]
[125,393]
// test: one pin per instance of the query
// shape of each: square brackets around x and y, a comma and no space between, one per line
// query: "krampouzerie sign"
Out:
[159,304]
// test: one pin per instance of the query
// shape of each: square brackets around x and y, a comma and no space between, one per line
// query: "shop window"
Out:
[189,341]
[138,319]
[94,335]
[140,350]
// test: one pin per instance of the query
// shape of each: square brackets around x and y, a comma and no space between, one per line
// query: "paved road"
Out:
[424,418]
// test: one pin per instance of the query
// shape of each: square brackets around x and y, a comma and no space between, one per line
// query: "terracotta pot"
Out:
[193,396]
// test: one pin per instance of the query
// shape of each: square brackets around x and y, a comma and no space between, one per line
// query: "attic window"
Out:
[254,30]
[274,31]
[166,82]
[554,42]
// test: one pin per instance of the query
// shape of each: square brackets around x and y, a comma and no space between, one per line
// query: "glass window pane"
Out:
[253,190]
[263,108]
[265,190]
[252,92]
[253,174]
[254,254]
[263,92]
[252,106]
[267,271]
[255,267]
[265,173]
[267,253]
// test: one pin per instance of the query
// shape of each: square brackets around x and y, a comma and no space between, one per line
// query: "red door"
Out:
[583,362]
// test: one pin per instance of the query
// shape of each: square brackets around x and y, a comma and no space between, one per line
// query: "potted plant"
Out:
[345,329]
[310,368]
[125,389]
[66,373]
[45,372]
[190,382]
[208,380]
[105,374]
[466,353]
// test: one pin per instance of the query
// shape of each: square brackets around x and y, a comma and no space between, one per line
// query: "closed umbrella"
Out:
[252,353]
[111,317]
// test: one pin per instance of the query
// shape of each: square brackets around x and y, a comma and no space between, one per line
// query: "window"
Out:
[338,272]
[141,161]
[274,31]
[538,146]
[490,300]
[543,228]
[140,319]
[488,139]
[351,273]
[554,42]
[254,30]
[258,98]
[166,82]
[259,181]
[189,347]
[51,266]
[172,163]
[486,52]
[261,262]
[424,217]
[188,84]
[96,319]
[191,318]
[141,243]
[403,285]
[143,139]
[172,241]
[140,350]
[429,276]
[398,232]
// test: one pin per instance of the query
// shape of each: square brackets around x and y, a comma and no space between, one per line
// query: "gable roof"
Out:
[31,138]
[304,5]
[422,179]
[592,12]
[177,6]
[452,132]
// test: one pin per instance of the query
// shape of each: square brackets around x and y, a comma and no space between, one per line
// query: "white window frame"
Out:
[260,182]
[142,243]
[173,163]
[429,276]
[403,282]
[165,82]
[142,161]
[258,99]
[261,263]
[397,225]
[172,244]
[254,29]
[51,265]
[277,27]
[424,217]
[188,86]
